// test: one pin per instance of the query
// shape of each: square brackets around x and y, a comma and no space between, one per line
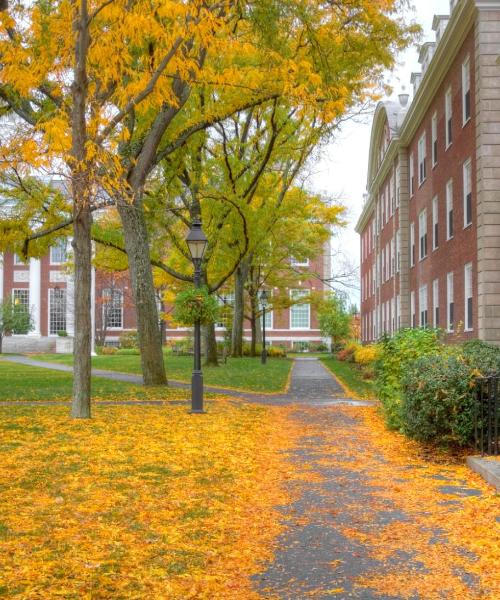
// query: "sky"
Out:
[341,170]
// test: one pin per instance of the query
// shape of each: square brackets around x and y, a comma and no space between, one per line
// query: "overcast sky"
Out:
[342,170]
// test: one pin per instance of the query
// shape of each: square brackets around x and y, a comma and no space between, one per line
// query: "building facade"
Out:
[430,226]
[45,286]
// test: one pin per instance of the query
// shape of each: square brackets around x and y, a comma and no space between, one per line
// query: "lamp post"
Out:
[263,303]
[197,244]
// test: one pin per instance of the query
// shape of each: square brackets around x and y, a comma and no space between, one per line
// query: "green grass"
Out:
[21,382]
[350,376]
[241,373]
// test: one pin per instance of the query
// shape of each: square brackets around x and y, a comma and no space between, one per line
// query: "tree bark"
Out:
[253,325]
[82,220]
[148,330]
[211,358]
[240,278]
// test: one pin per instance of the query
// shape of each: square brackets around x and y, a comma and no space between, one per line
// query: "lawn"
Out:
[238,373]
[140,502]
[350,376]
[20,382]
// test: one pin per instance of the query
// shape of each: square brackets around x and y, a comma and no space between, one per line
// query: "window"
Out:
[422,304]
[269,319]
[57,310]
[112,309]
[398,311]
[448,111]
[21,300]
[467,193]
[393,195]
[435,223]
[299,313]
[422,232]
[393,315]
[449,210]
[226,303]
[388,262]
[466,101]
[374,278]
[18,260]
[21,297]
[435,301]
[422,159]
[449,301]
[468,297]
[412,310]
[434,128]
[398,250]
[412,176]
[398,182]
[412,244]
[58,253]
[300,263]
[393,257]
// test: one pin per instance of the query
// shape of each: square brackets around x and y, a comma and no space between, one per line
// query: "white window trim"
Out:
[305,292]
[423,213]
[422,158]
[54,335]
[467,164]
[423,301]
[296,263]
[412,176]
[412,245]
[449,204]
[450,298]
[434,139]
[121,310]
[53,262]
[413,319]
[448,112]
[435,301]
[435,221]
[468,268]
[466,70]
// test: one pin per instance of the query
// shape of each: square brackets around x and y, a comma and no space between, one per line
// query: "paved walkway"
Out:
[311,383]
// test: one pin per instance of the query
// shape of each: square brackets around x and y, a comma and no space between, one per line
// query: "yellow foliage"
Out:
[140,502]
[366,355]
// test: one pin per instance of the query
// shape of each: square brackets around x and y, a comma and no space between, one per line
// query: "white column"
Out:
[70,308]
[34,293]
[92,313]
[1,277]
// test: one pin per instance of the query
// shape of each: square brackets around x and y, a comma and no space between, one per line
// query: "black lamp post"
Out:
[263,303]
[197,244]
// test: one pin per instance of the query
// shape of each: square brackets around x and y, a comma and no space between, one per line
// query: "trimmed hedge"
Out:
[438,400]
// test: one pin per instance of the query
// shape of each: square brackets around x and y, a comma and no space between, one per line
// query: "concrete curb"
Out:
[488,468]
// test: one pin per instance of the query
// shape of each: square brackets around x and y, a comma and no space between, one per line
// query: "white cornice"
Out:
[446,51]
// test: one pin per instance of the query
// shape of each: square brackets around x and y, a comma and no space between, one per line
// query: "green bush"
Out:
[482,356]
[396,355]
[438,399]
[129,340]
[128,351]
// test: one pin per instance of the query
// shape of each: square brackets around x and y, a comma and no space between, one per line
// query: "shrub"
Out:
[108,350]
[347,352]
[438,399]
[366,355]
[396,354]
[128,351]
[482,356]
[276,352]
[129,339]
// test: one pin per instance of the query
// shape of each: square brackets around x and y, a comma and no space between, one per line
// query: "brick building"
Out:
[430,226]
[45,286]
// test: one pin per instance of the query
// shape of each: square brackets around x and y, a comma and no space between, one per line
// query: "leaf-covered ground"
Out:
[140,502]
[379,516]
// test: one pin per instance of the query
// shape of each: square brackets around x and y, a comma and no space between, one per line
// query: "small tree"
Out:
[334,319]
[14,318]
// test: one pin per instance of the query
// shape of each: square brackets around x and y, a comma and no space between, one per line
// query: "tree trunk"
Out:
[82,250]
[210,346]
[82,220]
[141,274]
[1,342]
[240,278]
[253,324]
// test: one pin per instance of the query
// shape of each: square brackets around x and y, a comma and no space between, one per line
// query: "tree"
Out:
[14,318]
[335,320]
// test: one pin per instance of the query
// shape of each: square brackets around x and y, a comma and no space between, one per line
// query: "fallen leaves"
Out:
[140,502]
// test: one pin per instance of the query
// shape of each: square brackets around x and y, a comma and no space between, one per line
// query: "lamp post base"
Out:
[263,357]
[197,393]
